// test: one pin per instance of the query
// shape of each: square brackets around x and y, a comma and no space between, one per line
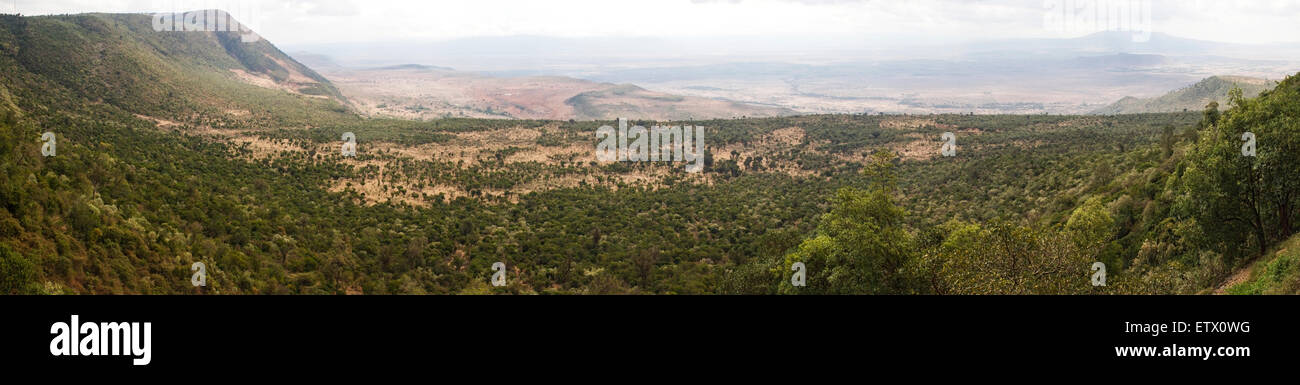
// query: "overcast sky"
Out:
[324,21]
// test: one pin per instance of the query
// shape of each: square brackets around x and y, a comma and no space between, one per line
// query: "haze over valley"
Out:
[536,77]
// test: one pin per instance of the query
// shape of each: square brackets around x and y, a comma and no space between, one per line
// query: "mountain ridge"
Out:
[416,91]
[1191,98]
[119,59]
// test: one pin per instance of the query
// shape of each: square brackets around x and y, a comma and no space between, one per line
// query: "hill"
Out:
[1191,98]
[1275,273]
[118,59]
[414,91]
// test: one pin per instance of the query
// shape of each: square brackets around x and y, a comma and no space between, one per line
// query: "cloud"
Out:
[320,21]
[333,8]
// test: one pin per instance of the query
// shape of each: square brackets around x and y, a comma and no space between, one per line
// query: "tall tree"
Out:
[1237,198]
[861,245]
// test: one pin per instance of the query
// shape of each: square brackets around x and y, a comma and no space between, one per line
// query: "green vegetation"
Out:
[1214,89]
[1277,274]
[1030,202]
[1188,208]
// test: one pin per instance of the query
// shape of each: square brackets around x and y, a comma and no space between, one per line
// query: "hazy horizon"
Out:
[305,22]
[808,56]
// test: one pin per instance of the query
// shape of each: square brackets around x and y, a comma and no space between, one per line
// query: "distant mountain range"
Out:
[414,91]
[1191,98]
[1014,76]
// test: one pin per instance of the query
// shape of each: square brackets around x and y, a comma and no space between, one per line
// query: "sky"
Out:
[298,22]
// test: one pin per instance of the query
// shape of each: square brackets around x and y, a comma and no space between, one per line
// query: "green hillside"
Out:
[117,59]
[1192,98]
[1276,273]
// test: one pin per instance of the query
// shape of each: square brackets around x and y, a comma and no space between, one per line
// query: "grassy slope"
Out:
[1191,98]
[1275,273]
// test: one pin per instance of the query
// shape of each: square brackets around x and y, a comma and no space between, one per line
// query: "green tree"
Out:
[861,245]
[17,275]
[1167,140]
[1004,258]
[1246,200]
[1210,117]
[1091,226]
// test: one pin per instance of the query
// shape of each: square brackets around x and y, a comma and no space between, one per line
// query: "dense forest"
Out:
[165,155]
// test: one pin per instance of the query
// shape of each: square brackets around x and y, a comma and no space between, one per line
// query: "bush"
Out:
[17,275]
